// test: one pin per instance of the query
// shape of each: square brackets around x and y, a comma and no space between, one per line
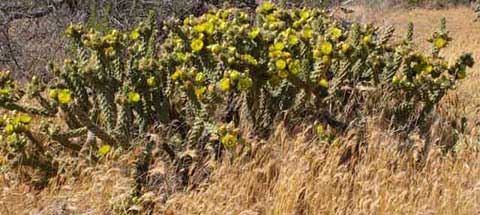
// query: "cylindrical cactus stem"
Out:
[78,86]
[117,68]
[443,25]
[195,131]
[141,118]
[387,35]
[34,141]
[70,119]
[25,109]
[161,105]
[107,106]
[303,85]
[63,140]
[342,74]
[394,67]
[147,104]
[124,120]
[409,36]
[99,132]
[45,104]
[142,165]
[193,98]
[74,133]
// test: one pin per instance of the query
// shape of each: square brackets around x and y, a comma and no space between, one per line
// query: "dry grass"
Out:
[295,175]
[95,191]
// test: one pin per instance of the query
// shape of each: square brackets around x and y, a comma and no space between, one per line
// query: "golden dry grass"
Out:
[294,175]
[93,192]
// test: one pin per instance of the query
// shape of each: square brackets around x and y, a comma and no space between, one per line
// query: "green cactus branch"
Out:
[91,126]
[26,109]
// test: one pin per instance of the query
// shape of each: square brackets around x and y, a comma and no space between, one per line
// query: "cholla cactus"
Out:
[111,88]
[116,75]
[279,53]
[229,66]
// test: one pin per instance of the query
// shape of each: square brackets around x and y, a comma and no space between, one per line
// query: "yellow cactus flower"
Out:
[265,7]
[24,118]
[304,14]
[428,69]
[196,45]
[326,59]
[151,82]
[317,53]
[323,83]
[250,59]
[254,33]
[177,74]
[64,96]
[209,28]
[280,64]
[274,54]
[367,39]
[177,42]
[214,48]
[224,84]
[181,57]
[294,67]
[345,47]
[134,35]
[297,24]
[12,138]
[326,48]
[440,43]
[279,46]
[335,32]
[200,77]
[225,13]
[187,21]
[200,91]
[282,73]
[293,40]
[222,25]
[271,18]
[320,130]
[4,91]
[307,33]
[9,129]
[244,83]
[133,97]
[104,150]
[199,28]
[229,141]
[234,75]
[232,50]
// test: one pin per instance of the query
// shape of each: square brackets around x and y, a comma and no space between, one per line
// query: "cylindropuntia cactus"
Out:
[228,65]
